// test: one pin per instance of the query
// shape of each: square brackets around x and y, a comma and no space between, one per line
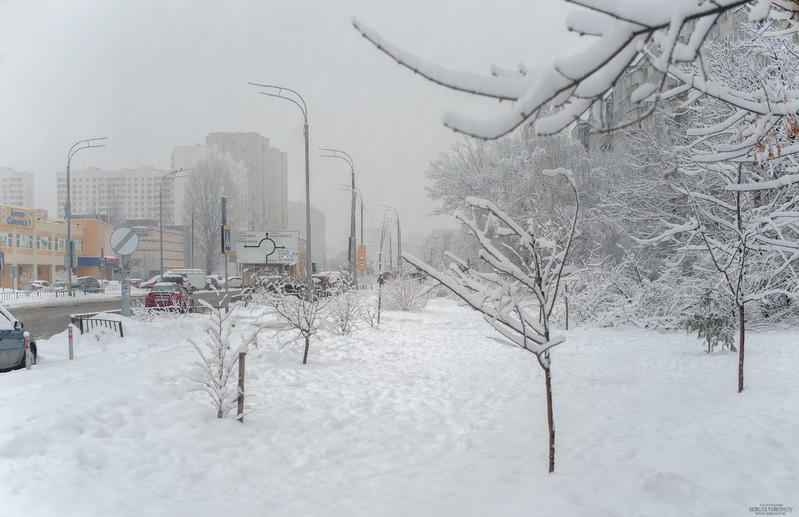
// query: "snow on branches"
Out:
[666,33]
[522,264]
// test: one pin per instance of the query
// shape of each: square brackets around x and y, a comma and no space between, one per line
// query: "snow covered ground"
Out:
[425,416]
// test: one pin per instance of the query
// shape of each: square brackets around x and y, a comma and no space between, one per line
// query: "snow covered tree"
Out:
[517,293]
[735,171]
[667,33]
[208,182]
[219,355]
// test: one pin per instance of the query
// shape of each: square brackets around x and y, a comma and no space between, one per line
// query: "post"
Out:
[309,295]
[192,239]
[125,309]
[224,223]
[91,142]
[28,356]
[161,226]
[71,355]
[242,355]
[68,261]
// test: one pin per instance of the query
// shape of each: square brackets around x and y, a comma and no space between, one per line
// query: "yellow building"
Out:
[33,247]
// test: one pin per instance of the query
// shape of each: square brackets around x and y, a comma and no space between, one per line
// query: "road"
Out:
[43,322]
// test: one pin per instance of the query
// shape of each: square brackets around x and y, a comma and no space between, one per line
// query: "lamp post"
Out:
[78,146]
[304,109]
[399,237]
[166,177]
[351,255]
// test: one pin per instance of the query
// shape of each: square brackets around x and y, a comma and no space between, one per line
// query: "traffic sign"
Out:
[124,241]
[362,257]
[267,247]
[226,239]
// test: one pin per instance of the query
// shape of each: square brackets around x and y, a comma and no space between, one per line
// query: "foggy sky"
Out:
[153,74]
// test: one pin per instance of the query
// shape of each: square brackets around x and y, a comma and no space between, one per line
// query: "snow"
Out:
[427,416]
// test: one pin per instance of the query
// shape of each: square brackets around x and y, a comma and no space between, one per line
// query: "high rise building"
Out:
[16,187]
[118,195]
[266,187]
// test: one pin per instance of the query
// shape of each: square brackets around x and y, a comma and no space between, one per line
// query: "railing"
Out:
[16,295]
[87,321]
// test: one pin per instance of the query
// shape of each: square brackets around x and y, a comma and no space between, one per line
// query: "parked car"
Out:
[169,295]
[136,282]
[87,284]
[150,283]
[180,280]
[386,277]
[12,342]
[235,282]
[41,285]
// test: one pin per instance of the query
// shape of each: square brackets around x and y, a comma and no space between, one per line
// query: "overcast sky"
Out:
[153,74]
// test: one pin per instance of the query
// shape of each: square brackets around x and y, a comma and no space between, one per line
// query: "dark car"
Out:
[12,342]
[87,284]
[170,296]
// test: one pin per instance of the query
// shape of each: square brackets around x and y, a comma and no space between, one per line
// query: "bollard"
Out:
[70,342]
[28,355]
[242,355]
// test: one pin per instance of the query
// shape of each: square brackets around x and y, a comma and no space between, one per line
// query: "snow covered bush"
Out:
[404,294]
[346,310]
[302,318]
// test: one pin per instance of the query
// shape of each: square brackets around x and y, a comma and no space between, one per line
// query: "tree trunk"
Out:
[741,337]
[550,420]
[305,355]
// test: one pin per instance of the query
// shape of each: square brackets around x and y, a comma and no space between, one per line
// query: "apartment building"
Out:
[266,186]
[118,195]
[16,187]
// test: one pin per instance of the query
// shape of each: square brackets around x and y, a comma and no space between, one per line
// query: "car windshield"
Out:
[6,319]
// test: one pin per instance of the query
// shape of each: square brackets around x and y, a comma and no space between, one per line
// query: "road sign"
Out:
[227,247]
[267,247]
[362,257]
[124,241]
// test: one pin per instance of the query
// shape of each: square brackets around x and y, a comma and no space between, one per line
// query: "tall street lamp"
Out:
[399,237]
[351,255]
[78,146]
[166,177]
[301,104]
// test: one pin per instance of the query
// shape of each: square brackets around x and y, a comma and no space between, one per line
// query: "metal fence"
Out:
[86,322]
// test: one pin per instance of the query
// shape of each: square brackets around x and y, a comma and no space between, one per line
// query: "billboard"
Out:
[267,247]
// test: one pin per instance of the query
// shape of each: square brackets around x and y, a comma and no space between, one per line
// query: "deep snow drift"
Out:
[427,415]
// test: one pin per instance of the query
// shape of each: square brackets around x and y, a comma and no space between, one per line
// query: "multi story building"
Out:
[119,195]
[16,187]
[296,221]
[266,187]
[33,247]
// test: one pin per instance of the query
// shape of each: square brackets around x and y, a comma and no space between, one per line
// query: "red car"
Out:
[169,295]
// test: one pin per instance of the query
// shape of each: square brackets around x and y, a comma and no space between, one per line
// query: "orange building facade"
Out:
[33,247]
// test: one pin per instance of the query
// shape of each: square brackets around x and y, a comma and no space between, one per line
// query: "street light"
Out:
[399,237]
[78,146]
[304,109]
[351,252]
[166,177]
